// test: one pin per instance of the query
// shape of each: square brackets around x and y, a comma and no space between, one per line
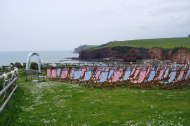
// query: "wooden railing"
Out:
[9,86]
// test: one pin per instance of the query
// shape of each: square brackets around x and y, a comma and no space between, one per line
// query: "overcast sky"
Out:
[32,25]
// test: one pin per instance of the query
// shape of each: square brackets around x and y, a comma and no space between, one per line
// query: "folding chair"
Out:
[159,75]
[135,74]
[126,75]
[48,75]
[58,72]
[168,82]
[166,72]
[141,77]
[103,79]
[111,71]
[87,77]
[64,76]
[76,75]
[186,78]
[116,77]
[134,68]
[150,77]
[179,78]
[96,74]
[53,74]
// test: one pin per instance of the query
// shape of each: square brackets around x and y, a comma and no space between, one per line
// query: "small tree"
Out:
[18,65]
[189,35]
[34,66]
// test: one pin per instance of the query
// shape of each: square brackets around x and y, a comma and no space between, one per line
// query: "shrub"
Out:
[34,66]
[18,65]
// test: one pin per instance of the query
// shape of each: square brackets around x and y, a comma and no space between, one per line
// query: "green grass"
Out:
[85,47]
[149,43]
[55,103]
[89,46]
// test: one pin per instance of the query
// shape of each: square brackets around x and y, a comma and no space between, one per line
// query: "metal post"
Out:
[3,67]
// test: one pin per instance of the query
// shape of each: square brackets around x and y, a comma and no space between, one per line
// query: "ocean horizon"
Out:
[8,57]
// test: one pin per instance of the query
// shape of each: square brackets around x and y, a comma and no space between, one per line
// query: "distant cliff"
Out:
[129,54]
[175,49]
[83,47]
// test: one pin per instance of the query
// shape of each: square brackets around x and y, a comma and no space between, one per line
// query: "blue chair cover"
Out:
[88,75]
[127,74]
[111,73]
[77,74]
[103,76]
[152,74]
[187,75]
[172,76]
[166,72]
[58,71]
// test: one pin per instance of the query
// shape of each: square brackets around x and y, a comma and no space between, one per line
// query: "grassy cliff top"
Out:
[149,43]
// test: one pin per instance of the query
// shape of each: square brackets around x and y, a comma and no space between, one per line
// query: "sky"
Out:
[33,25]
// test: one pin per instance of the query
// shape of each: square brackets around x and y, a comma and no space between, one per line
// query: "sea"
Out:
[46,56]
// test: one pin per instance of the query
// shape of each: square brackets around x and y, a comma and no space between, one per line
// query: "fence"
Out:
[138,63]
[8,87]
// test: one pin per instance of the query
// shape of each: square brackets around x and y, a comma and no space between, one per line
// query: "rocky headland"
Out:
[131,54]
[173,49]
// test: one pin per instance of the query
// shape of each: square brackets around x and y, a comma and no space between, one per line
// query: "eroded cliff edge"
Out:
[128,54]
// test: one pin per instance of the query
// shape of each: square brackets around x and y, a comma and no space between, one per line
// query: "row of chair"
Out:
[163,76]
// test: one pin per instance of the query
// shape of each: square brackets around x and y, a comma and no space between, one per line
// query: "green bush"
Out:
[18,65]
[34,66]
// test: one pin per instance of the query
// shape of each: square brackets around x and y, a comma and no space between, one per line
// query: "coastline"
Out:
[47,56]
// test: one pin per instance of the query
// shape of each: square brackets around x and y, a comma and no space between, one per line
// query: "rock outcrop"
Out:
[128,54]
[80,48]
[180,55]
[83,47]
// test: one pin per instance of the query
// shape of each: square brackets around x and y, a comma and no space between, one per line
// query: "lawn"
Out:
[149,43]
[55,103]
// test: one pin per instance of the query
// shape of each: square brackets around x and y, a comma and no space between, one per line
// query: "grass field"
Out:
[149,43]
[59,104]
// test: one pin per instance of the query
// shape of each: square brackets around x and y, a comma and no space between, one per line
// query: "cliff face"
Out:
[129,54]
[83,47]
[80,48]
[99,53]
[181,55]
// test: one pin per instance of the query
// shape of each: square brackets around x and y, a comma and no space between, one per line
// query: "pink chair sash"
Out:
[136,73]
[97,75]
[83,71]
[116,75]
[141,77]
[132,72]
[64,73]
[160,75]
[48,72]
[181,74]
[54,73]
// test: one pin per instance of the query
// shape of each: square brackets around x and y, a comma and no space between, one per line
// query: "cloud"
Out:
[64,25]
